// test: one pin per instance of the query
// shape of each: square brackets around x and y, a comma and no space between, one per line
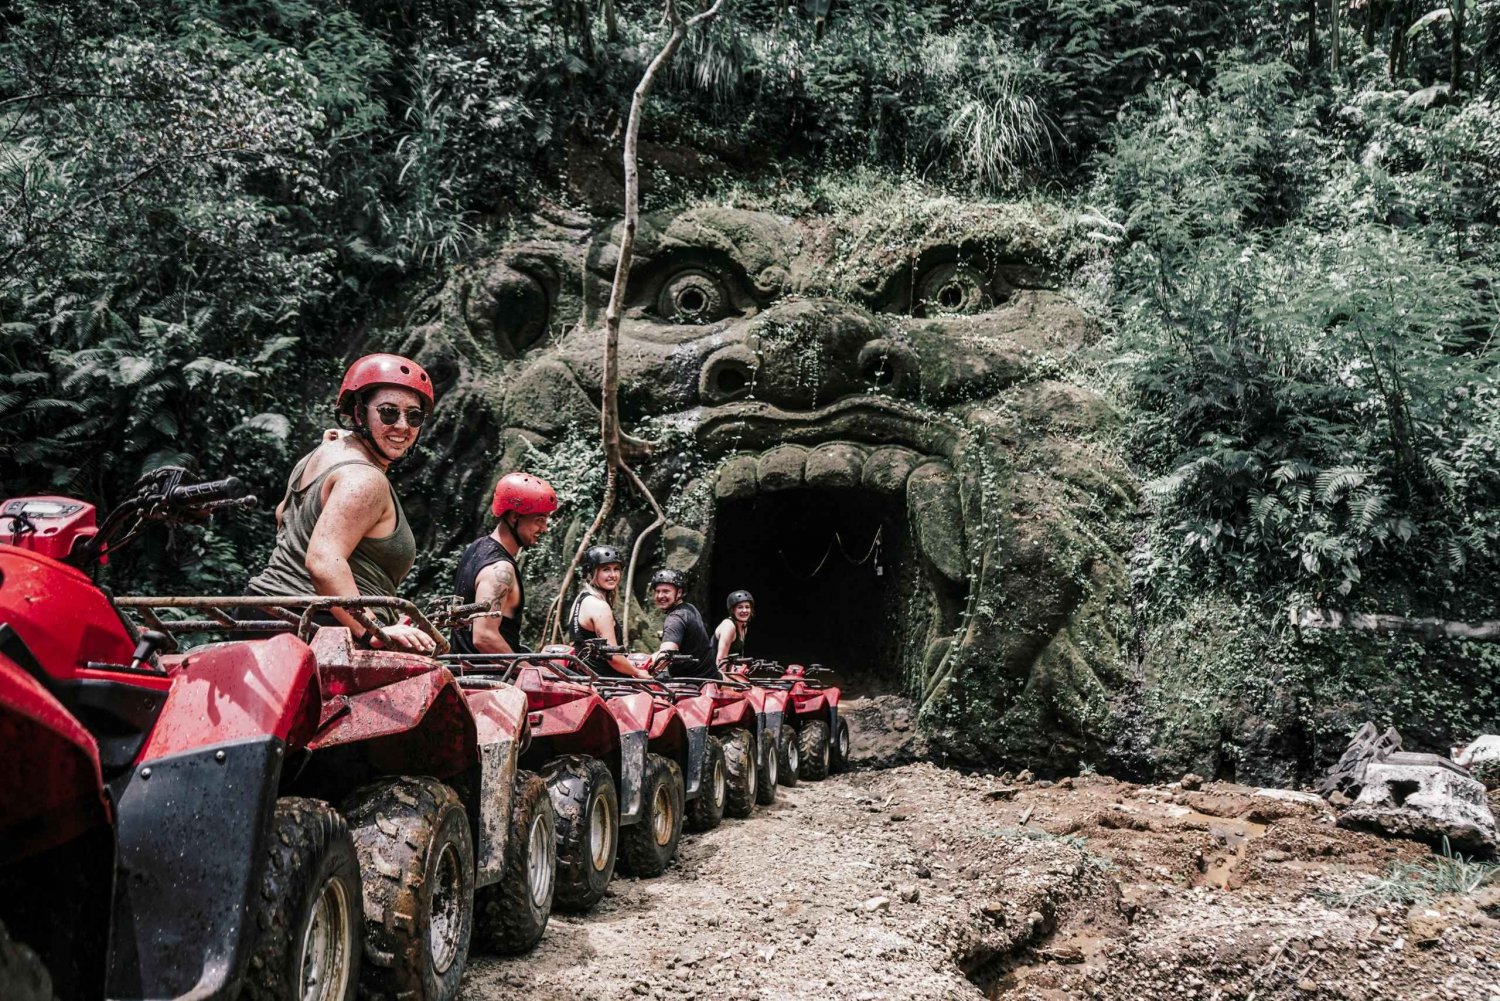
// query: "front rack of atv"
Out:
[749,666]
[283,613]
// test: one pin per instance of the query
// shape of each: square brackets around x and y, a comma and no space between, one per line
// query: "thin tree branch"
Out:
[615,441]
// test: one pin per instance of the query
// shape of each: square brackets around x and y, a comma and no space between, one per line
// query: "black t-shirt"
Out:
[684,626]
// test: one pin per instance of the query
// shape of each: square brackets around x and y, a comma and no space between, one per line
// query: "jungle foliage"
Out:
[1286,213]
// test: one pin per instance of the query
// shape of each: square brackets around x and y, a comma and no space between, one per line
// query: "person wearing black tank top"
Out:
[488,573]
[593,614]
[729,638]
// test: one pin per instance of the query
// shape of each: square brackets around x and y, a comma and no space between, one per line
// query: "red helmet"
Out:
[383,370]
[523,494]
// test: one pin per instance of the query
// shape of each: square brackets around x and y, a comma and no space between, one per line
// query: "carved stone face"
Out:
[882,465]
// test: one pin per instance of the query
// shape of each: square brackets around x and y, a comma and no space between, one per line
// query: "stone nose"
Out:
[805,354]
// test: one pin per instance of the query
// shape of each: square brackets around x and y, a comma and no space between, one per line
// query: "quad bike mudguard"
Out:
[407,714]
[193,815]
[696,713]
[633,715]
[56,839]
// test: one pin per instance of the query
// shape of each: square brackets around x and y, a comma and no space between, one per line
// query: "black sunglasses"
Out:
[390,414]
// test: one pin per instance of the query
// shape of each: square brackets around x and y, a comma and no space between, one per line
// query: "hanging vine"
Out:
[620,447]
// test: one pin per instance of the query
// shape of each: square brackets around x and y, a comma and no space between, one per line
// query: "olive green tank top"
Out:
[378,564]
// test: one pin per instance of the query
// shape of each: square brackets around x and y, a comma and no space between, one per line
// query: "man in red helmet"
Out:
[488,574]
[340,529]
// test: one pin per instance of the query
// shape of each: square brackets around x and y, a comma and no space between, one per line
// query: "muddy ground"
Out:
[906,880]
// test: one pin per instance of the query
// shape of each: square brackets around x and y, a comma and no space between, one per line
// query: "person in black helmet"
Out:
[729,638]
[683,631]
[593,615]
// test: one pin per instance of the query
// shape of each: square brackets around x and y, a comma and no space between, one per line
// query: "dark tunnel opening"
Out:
[832,572]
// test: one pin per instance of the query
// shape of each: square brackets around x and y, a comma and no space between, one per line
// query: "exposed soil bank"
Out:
[920,882]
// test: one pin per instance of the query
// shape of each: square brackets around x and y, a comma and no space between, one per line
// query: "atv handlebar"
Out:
[200,494]
[160,495]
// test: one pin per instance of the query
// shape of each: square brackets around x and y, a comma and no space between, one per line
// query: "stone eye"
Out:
[692,296]
[954,287]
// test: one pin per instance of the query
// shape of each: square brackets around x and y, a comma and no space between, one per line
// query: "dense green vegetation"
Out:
[1285,216]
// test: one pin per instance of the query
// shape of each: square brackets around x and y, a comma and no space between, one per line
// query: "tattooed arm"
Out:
[492,588]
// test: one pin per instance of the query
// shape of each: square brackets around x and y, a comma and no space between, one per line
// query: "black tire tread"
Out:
[765,784]
[23,975]
[785,774]
[703,813]
[838,762]
[740,764]
[505,918]
[813,741]
[304,832]
[570,780]
[640,855]
[393,820]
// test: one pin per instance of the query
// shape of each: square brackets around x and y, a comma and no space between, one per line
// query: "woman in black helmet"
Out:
[729,638]
[593,615]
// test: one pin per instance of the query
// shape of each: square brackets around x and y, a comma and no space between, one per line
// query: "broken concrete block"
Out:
[1368,745]
[1426,798]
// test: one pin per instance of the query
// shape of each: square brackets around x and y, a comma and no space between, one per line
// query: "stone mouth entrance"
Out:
[834,578]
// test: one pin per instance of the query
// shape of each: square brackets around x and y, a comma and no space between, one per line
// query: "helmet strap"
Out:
[509,520]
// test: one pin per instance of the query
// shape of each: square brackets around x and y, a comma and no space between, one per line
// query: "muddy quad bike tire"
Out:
[741,772]
[23,975]
[588,829]
[814,741]
[510,915]
[840,748]
[707,811]
[417,861]
[648,846]
[770,775]
[306,921]
[788,757]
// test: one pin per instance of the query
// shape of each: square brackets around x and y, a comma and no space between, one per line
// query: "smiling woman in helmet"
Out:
[340,529]
[729,638]
[593,614]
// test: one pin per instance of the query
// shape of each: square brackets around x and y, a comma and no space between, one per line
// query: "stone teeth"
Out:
[736,479]
[781,468]
[836,465]
[933,505]
[887,467]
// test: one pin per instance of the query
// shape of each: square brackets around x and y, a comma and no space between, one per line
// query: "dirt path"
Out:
[920,882]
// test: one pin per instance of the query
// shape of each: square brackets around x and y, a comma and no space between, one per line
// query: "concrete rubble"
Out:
[1424,797]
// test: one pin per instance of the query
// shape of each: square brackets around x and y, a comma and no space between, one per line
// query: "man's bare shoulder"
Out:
[495,581]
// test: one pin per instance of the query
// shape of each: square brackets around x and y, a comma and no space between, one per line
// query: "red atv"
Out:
[267,792]
[817,737]
[621,764]
[747,722]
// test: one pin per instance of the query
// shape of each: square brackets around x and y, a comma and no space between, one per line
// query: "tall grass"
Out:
[1446,875]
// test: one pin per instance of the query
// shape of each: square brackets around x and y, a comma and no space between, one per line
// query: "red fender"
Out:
[51,787]
[697,710]
[498,713]
[237,691]
[632,712]
[35,589]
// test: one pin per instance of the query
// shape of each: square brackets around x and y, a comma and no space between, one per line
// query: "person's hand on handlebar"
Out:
[407,638]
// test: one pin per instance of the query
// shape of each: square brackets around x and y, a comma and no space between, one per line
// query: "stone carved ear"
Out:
[509,308]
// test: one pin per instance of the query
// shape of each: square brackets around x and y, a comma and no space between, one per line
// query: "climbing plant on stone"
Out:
[617,444]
